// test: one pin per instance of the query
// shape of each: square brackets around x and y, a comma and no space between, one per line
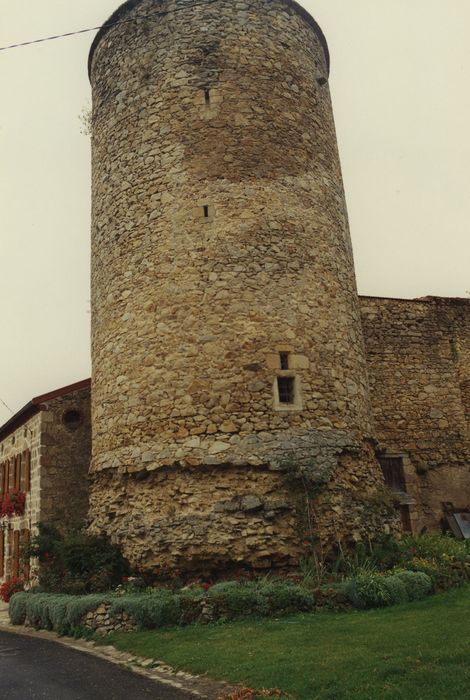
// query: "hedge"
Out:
[161,607]
[231,600]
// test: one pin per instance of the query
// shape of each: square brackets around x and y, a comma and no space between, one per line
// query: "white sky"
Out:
[400,86]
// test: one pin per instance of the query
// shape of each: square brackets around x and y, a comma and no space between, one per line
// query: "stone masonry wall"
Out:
[65,460]
[220,240]
[419,368]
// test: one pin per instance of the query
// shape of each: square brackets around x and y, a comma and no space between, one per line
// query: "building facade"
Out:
[44,459]
[418,354]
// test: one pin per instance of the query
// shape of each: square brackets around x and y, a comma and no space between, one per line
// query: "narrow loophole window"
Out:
[205,210]
[285,387]
[284,357]
[207,97]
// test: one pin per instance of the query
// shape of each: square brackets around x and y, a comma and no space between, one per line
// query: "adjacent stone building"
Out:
[418,354]
[44,458]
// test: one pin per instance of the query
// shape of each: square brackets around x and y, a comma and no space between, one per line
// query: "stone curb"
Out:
[159,671]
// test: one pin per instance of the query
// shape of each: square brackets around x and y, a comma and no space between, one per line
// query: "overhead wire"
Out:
[95,29]
[79,31]
[6,406]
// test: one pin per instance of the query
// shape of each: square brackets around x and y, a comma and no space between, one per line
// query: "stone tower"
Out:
[226,338]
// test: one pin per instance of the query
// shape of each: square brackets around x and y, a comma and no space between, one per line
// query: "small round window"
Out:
[72,419]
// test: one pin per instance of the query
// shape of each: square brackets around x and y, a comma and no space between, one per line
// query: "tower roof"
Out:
[126,7]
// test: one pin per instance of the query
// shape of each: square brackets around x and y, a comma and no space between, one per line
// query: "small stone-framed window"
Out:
[286,390]
[72,419]
[206,212]
[284,360]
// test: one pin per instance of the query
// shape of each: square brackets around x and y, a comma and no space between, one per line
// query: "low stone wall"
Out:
[101,620]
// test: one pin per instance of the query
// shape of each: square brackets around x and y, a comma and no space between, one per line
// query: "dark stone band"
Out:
[126,7]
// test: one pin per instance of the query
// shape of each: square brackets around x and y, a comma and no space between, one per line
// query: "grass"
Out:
[417,651]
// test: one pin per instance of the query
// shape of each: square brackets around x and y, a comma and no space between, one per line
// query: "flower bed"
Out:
[388,573]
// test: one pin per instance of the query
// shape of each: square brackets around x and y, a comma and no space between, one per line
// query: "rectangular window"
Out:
[284,358]
[11,474]
[394,475]
[207,98]
[15,559]
[26,471]
[25,538]
[285,387]
[17,461]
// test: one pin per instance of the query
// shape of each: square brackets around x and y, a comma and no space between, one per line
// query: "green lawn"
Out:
[418,651]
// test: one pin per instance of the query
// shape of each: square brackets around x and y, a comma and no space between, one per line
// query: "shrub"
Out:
[435,547]
[38,611]
[368,591]
[17,608]
[396,588]
[418,585]
[57,606]
[231,600]
[444,574]
[162,609]
[76,562]
[380,590]
[287,598]
[237,601]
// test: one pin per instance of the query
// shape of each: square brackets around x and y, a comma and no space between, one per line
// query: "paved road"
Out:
[33,669]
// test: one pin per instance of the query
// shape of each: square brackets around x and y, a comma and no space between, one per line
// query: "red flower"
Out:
[13,585]
[13,503]
[206,586]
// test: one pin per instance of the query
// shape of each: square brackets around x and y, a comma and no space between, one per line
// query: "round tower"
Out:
[226,338]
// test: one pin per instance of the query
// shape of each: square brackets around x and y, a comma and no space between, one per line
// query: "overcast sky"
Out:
[400,86]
